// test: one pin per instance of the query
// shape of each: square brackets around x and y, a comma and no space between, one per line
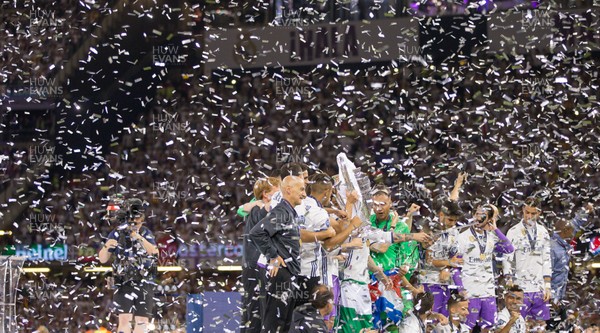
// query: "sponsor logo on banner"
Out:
[169,253]
[38,252]
[194,254]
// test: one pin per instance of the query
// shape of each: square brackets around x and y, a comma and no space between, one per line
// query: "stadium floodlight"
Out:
[169,268]
[36,270]
[232,268]
[97,269]
[103,269]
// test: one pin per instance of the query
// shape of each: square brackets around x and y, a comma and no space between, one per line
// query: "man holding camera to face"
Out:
[134,267]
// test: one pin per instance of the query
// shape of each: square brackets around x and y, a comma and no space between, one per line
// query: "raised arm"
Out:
[509,260]
[420,237]
[409,215]
[457,186]
[247,207]
[379,247]
[147,242]
[351,199]
[503,245]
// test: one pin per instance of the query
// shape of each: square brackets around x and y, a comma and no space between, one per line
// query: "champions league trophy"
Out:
[10,271]
[352,179]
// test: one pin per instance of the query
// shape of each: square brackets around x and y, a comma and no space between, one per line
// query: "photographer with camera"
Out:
[134,267]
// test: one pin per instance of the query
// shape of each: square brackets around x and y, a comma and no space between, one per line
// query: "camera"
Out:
[135,208]
[132,209]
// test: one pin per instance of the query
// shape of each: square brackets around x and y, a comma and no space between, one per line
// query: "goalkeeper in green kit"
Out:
[398,261]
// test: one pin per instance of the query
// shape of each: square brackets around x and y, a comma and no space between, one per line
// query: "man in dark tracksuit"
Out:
[277,236]
[253,277]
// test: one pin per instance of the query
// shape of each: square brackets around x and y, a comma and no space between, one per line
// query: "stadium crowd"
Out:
[279,12]
[57,27]
[410,127]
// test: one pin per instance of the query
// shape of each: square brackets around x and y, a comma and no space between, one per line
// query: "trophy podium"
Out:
[10,271]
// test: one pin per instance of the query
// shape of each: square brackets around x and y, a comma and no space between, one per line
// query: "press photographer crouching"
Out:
[134,267]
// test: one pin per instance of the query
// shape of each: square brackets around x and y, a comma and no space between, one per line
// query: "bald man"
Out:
[277,237]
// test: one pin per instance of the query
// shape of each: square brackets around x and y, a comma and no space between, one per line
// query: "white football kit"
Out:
[477,252]
[530,262]
[312,254]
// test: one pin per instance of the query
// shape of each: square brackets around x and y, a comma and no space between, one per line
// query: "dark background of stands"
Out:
[218,159]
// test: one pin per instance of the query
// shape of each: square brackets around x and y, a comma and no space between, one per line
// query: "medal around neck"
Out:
[352,179]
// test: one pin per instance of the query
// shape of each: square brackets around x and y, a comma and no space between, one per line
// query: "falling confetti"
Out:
[186,106]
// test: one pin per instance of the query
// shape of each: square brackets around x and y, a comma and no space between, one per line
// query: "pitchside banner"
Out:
[38,252]
[297,44]
[558,31]
[170,253]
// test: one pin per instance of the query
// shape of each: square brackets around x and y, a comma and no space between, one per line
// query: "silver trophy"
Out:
[352,179]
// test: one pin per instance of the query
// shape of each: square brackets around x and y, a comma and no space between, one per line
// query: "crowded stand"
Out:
[244,117]
[480,212]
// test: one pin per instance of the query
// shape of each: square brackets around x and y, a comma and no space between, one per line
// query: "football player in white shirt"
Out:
[458,307]
[510,319]
[477,245]
[312,234]
[440,257]
[421,316]
[316,220]
[530,266]
[355,301]
[333,247]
